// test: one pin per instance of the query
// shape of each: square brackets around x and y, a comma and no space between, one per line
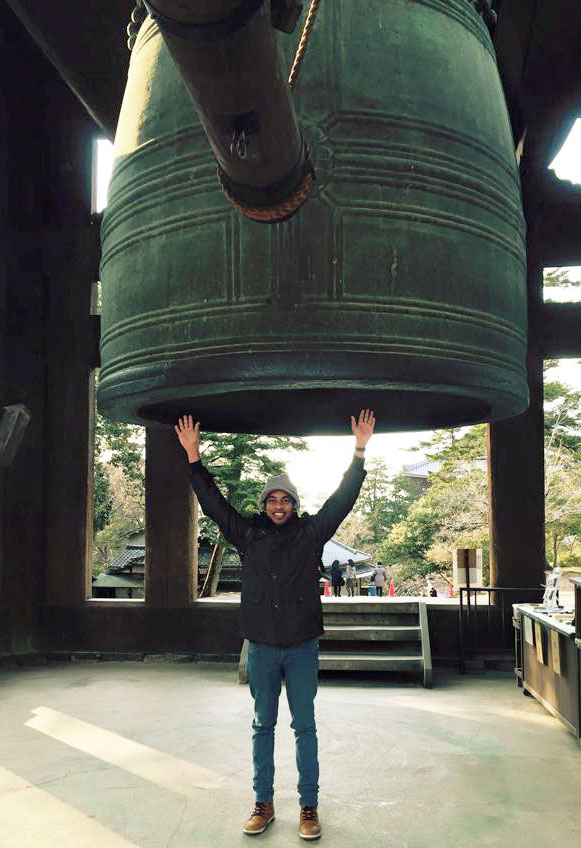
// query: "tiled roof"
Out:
[132,554]
[334,549]
[231,558]
[136,539]
[118,581]
[421,468]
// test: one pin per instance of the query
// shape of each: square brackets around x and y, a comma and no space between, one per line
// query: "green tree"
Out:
[564,531]
[240,464]
[102,498]
[555,279]
[118,487]
[562,470]
[357,532]
[562,415]
[458,444]
[453,511]
[384,500]
[376,500]
[562,505]
[127,518]
[123,443]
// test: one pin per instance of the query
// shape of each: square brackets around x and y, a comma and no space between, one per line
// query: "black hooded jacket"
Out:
[280,602]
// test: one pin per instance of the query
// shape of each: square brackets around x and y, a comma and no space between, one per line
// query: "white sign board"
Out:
[467,567]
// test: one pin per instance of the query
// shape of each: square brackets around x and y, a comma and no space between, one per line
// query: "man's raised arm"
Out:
[212,501]
[341,502]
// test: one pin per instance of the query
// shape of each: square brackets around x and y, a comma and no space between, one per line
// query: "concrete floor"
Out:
[106,755]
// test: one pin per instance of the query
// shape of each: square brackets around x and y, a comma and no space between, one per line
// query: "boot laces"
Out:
[309,813]
[259,808]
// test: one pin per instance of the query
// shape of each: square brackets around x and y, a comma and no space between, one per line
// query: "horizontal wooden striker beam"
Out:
[556,330]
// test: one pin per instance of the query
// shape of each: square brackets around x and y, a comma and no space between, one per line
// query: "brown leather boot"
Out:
[261,817]
[309,827]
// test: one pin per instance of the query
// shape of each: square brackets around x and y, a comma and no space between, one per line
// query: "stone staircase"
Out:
[367,634]
[376,635]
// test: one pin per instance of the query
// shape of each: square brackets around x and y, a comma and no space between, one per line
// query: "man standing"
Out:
[281,610]
[380,577]
[336,578]
[351,578]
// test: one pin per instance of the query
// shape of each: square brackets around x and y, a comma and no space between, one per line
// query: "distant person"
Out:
[280,609]
[351,578]
[432,590]
[380,578]
[336,578]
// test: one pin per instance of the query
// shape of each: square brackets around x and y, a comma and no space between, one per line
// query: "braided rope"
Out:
[302,48]
[272,214]
[291,204]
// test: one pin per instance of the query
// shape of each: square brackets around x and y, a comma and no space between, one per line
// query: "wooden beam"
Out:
[171,531]
[94,338]
[511,38]
[537,48]
[202,629]
[554,216]
[86,43]
[556,329]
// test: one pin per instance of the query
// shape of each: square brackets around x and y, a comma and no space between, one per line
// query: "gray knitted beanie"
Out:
[280,482]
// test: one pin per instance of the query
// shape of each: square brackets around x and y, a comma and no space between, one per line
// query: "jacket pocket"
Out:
[252,597]
[304,604]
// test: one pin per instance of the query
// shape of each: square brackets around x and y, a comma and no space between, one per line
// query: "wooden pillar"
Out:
[516,449]
[516,486]
[71,251]
[171,525]
[4,241]
[23,296]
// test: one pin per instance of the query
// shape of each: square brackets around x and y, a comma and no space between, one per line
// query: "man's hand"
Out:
[189,436]
[363,427]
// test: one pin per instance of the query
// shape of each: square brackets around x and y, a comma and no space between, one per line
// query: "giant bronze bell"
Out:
[398,285]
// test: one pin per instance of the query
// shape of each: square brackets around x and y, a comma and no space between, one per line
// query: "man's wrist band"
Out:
[360,450]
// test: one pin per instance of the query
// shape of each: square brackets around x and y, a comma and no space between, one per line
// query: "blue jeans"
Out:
[299,664]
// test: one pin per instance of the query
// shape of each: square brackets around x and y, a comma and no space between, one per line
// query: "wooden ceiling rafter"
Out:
[86,43]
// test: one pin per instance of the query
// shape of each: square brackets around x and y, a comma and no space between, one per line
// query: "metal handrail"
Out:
[468,618]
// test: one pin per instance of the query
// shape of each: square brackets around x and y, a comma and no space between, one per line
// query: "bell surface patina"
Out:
[399,285]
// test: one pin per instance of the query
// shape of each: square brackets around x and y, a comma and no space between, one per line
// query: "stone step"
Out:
[375,606]
[384,647]
[369,620]
[358,632]
[369,662]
